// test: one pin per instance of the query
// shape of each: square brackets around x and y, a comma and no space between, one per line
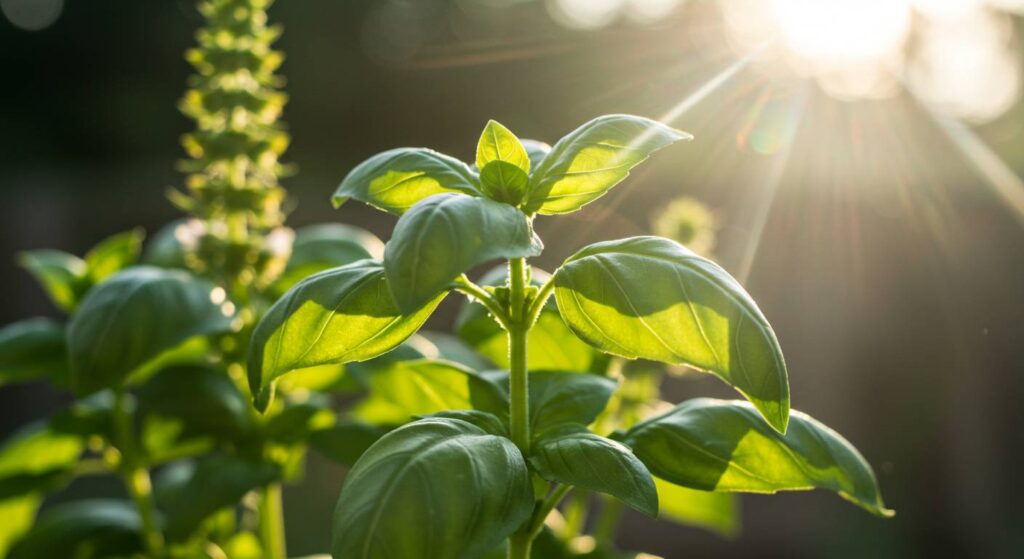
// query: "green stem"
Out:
[519,407]
[541,514]
[272,523]
[538,302]
[464,285]
[136,478]
[608,521]
[519,545]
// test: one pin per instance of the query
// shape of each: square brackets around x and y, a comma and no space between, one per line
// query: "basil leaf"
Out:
[341,315]
[33,349]
[91,528]
[410,388]
[590,160]
[550,343]
[444,236]
[164,249]
[395,180]
[651,298]
[190,492]
[63,276]
[454,349]
[327,245]
[441,485]
[718,445]
[114,254]
[574,456]
[18,512]
[133,318]
[204,399]
[717,512]
[498,143]
[504,182]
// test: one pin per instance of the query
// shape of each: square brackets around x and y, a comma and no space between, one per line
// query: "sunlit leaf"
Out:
[714,511]
[498,143]
[114,254]
[63,276]
[441,485]
[590,160]
[396,179]
[337,316]
[652,298]
[725,446]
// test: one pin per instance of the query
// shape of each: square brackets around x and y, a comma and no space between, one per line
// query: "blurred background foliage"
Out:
[867,195]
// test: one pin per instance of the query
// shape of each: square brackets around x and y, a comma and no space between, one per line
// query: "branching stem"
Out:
[136,478]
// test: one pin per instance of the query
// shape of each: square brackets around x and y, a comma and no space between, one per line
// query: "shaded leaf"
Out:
[536,151]
[397,179]
[33,349]
[503,182]
[133,318]
[327,245]
[652,298]
[558,398]
[204,399]
[574,456]
[444,236]
[164,249]
[725,446]
[89,529]
[345,441]
[437,484]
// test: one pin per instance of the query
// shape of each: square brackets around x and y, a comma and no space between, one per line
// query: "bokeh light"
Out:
[32,15]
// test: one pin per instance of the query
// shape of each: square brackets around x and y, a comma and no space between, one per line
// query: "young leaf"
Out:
[558,398]
[62,275]
[133,318]
[114,254]
[444,236]
[503,182]
[410,388]
[89,528]
[441,485]
[395,180]
[498,143]
[574,456]
[588,162]
[717,445]
[189,492]
[33,349]
[327,245]
[341,315]
[717,512]
[651,298]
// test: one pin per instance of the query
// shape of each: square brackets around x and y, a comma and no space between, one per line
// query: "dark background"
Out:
[889,269]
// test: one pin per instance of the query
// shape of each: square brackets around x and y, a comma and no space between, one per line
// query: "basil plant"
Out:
[489,442]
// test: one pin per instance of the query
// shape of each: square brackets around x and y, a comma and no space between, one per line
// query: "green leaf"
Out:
[717,512]
[397,179]
[590,160]
[189,492]
[33,349]
[651,298]
[345,441]
[18,514]
[341,315]
[133,318]
[718,445]
[558,398]
[63,276]
[444,236]
[410,388]
[164,249]
[204,399]
[441,485]
[37,458]
[89,529]
[550,343]
[536,151]
[327,245]
[299,419]
[498,143]
[574,456]
[503,182]
[114,254]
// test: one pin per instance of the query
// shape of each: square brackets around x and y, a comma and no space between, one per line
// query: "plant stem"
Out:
[272,523]
[545,508]
[519,407]
[519,545]
[136,478]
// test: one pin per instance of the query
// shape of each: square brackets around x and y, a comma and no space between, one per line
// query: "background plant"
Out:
[512,444]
